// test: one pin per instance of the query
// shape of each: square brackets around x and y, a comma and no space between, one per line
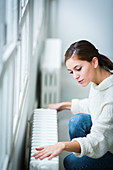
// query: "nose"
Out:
[75,75]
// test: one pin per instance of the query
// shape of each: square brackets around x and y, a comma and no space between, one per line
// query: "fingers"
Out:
[42,154]
[50,157]
[53,106]
[38,154]
[38,149]
[48,151]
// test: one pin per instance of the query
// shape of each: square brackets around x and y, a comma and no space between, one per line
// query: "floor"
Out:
[69,89]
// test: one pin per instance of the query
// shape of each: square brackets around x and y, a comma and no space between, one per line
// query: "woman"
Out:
[91,128]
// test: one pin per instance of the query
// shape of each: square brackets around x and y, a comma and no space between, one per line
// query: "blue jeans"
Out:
[79,126]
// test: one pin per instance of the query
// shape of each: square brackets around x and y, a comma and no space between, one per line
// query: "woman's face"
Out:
[82,71]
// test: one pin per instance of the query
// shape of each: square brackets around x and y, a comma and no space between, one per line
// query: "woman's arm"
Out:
[60,106]
[71,146]
[100,139]
[51,151]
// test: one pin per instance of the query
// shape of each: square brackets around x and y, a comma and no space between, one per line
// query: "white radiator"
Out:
[44,132]
[50,72]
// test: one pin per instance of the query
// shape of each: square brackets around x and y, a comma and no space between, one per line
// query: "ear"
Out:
[94,62]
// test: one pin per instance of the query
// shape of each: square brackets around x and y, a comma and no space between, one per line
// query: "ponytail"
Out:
[105,62]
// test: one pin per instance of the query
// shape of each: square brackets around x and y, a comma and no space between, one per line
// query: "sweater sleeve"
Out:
[100,139]
[80,106]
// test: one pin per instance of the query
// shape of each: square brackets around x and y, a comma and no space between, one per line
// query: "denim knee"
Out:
[66,163]
[69,162]
[79,125]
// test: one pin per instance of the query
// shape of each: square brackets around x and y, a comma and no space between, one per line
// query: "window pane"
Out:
[9,20]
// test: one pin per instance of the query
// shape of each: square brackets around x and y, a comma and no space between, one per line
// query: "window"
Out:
[16,56]
[6,23]
[6,102]
[37,19]
[8,19]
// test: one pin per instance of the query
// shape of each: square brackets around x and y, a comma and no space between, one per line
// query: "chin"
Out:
[85,84]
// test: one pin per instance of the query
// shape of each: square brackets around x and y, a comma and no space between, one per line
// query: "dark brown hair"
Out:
[86,51]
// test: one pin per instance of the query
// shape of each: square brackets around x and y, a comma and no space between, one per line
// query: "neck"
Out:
[100,75]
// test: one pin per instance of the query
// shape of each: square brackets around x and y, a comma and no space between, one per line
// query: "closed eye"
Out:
[79,69]
[71,72]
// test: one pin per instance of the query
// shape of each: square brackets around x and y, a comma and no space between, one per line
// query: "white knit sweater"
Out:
[100,106]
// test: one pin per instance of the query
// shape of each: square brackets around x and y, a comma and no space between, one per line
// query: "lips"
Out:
[80,81]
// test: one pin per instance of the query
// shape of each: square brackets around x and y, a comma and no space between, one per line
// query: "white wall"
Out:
[91,20]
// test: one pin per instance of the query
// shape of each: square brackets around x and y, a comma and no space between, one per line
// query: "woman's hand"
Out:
[49,151]
[57,106]
[60,106]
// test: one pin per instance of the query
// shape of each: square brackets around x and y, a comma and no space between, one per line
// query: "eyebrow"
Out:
[73,68]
